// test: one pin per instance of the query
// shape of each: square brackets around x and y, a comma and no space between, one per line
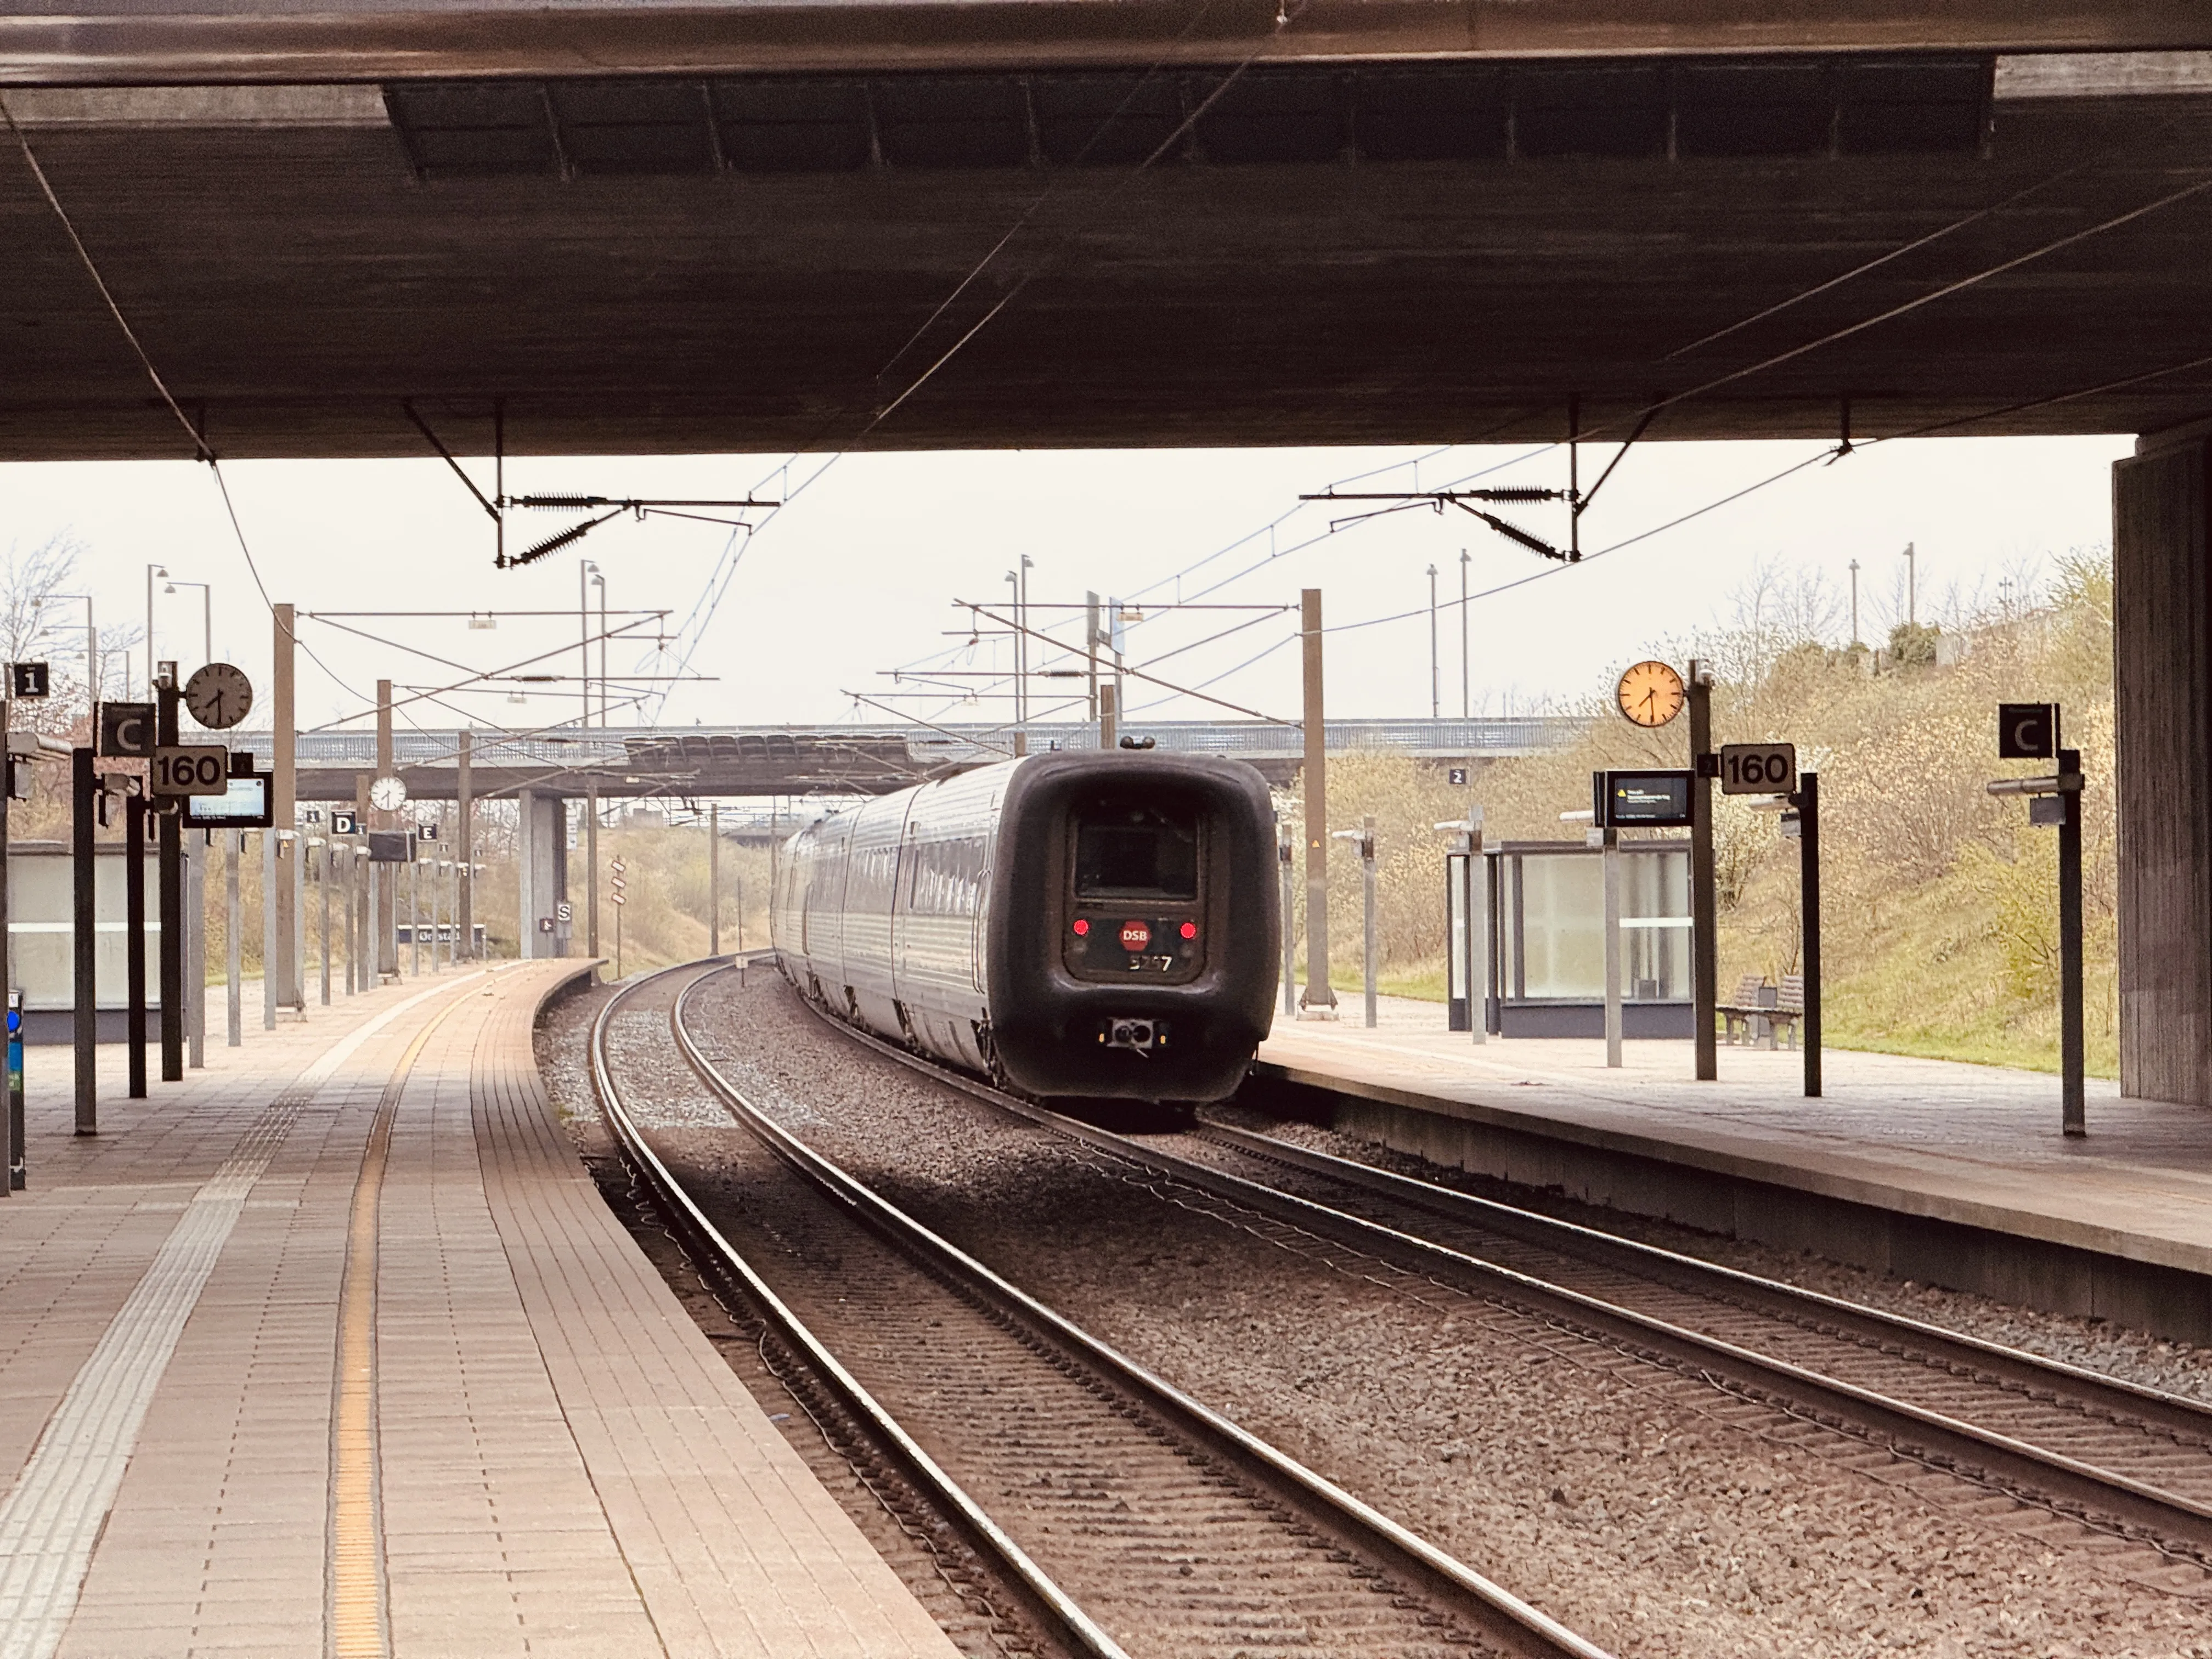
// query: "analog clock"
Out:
[219,695]
[388,795]
[1650,694]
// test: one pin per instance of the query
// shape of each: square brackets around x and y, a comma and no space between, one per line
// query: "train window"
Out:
[1124,851]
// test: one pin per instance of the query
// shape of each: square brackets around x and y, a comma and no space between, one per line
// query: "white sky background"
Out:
[857,574]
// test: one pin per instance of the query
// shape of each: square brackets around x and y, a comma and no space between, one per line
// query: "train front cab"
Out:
[1145,969]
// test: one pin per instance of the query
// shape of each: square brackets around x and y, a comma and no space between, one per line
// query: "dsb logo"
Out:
[1135,936]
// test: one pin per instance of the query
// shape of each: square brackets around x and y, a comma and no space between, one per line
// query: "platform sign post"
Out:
[1364,839]
[2030,730]
[1704,900]
[134,944]
[1807,799]
[169,832]
[17,1175]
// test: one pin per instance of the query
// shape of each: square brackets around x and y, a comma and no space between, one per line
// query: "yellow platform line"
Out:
[359,1620]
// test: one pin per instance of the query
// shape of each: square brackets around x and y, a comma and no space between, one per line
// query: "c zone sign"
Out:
[194,770]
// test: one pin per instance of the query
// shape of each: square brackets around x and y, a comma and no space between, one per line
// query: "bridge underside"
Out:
[1333,253]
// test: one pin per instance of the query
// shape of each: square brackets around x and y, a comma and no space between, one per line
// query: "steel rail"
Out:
[2174,1412]
[1045,1599]
[2021,1468]
[1491,1608]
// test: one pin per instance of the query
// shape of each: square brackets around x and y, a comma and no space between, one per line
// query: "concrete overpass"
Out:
[727,763]
[656,228]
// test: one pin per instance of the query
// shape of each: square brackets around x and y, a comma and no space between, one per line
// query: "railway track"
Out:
[2123,1458]
[1123,1516]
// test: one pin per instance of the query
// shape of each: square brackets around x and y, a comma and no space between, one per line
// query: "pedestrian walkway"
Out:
[335,1349]
[1902,1164]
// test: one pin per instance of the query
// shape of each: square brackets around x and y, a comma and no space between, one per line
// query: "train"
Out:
[1088,925]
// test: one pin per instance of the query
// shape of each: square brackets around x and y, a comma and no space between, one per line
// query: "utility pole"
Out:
[1108,717]
[464,917]
[591,864]
[1704,902]
[715,878]
[1435,708]
[1090,649]
[387,891]
[1911,588]
[1466,676]
[585,571]
[1319,994]
[1855,604]
[1286,856]
[284,970]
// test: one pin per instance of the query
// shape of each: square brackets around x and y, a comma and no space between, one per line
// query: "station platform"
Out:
[1950,1174]
[335,1349]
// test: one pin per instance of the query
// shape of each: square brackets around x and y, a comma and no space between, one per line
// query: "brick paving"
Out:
[565,1465]
[1976,1144]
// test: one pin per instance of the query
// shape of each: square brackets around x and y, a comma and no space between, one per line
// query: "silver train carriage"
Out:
[1102,924]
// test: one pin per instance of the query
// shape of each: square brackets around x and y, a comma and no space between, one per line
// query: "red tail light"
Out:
[1081,926]
[1190,930]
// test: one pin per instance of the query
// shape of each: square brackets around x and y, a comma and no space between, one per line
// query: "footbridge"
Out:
[723,763]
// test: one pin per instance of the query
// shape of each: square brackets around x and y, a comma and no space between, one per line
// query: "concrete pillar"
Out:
[291,987]
[542,871]
[2162,696]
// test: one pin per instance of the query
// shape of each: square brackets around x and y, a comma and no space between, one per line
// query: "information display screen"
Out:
[1650,800]
[243,805]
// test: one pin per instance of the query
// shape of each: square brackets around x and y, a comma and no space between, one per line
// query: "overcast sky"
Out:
[858,573]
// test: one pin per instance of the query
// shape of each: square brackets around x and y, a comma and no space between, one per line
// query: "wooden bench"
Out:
[1746,1007]
[1766,1014]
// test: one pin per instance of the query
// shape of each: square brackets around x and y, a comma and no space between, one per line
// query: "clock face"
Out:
[218,696]
[388,795]
[1651,694]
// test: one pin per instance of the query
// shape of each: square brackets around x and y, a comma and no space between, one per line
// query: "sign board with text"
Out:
[1644,801]
[2027,731]
[1758,769]
[126,731]
[189,770]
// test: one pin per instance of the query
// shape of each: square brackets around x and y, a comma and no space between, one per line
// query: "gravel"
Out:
[1649,1511]
[2118,1351]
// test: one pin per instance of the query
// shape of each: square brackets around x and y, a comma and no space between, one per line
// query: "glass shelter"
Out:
[1547,970]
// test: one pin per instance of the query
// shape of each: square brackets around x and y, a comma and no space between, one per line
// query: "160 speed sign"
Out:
[191,769]
[1758,769]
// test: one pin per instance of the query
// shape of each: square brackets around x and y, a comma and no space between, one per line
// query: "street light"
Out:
[586,569]
[91,641]
[152,571]
[207,617]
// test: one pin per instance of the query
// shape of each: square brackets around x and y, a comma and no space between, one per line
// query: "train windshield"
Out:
[1132,851]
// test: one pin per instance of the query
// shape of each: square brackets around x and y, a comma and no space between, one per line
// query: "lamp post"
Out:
[207,616]
[1435,706]
[1465,698]
[600,582]
[152,571]
[585,571]
[91,642]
